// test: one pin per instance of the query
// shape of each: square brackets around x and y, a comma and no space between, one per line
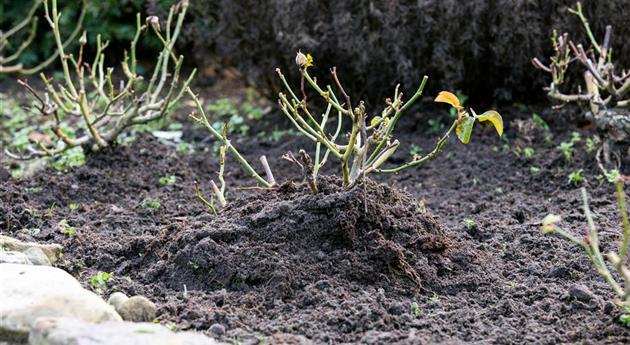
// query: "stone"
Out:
[117,299]
[217,328]
[52,251]
[30,292]
[12,257]
[64,331]
[581,293]
[137,309]
[37,256]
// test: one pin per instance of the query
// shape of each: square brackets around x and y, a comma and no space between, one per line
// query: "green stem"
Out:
[596,256]
[70,39]
[420,161]
[578,12]
[621,200]
[318,145]
[324,94]
[226,142]
[392,124]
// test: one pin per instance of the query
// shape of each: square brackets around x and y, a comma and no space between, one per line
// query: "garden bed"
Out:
[450,252]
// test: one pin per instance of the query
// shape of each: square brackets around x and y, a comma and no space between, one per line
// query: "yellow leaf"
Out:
[450,98]
[495,118]
[309,60]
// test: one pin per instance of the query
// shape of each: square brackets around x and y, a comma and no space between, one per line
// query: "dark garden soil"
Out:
[285,266]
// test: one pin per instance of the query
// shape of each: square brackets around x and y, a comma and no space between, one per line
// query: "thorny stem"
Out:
[420,161]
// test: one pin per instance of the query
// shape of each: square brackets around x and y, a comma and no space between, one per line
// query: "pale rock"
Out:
[137,309]
[30,292]
[63,331]
[37,256]
[52,251]
[117,299]
[12,257]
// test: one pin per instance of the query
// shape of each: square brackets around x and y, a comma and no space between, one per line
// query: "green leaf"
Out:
[464,129]
[495,118]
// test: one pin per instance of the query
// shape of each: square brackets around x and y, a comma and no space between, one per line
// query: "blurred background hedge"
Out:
[113,19]
[481,47]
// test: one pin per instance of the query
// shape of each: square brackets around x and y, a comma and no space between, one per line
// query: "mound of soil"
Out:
[277,242]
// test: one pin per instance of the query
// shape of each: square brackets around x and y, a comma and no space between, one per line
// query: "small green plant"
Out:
[100,279]
[167,180]
[415,310]
[591,246]
[590,146]
[567,150]
[151,204]
[185,148]
[73,206]
[540,123]
[612,175]
[414,150]
[470,224]
[194,265]
[278,134]
[575,178]
[534,169]
[567,147]
[65,228]
[528,152]
[68,159]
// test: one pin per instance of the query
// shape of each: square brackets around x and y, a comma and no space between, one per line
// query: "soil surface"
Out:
[447,253]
